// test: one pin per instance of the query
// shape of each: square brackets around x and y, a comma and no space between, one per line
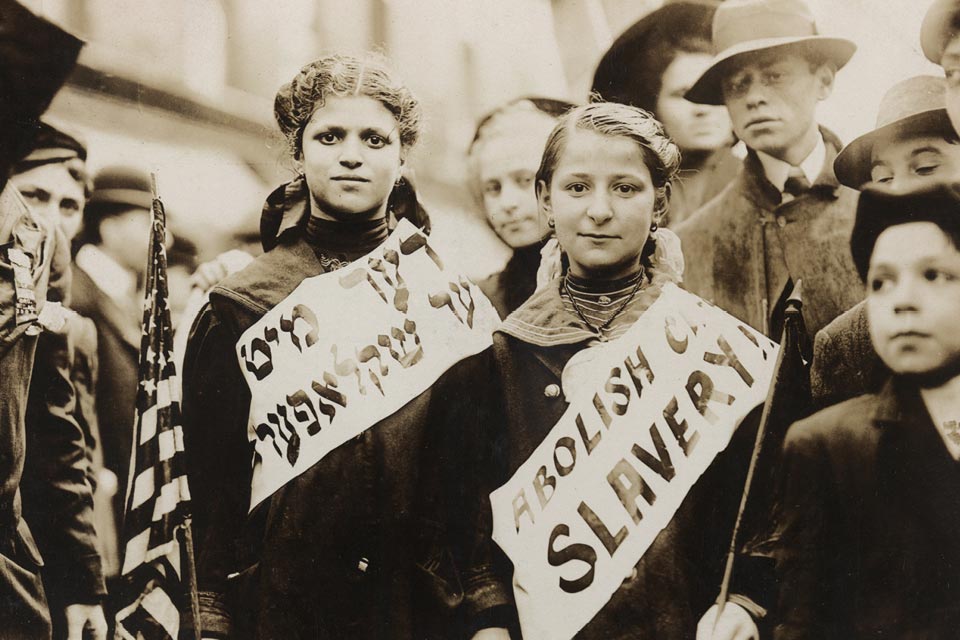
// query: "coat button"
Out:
[552,391]
[362,565]
[781,221]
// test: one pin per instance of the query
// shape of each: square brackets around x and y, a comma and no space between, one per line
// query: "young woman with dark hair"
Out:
[367,541]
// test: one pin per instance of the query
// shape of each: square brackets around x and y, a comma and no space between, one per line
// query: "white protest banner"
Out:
[347,349]
[665,399]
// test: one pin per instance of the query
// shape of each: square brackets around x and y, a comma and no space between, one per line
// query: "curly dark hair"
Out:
[344,75]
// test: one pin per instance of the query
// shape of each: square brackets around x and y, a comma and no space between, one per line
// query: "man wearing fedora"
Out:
[785,217]
[108,267]
[912,145]
[940,40]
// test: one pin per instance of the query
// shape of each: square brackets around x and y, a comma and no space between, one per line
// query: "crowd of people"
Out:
[690,198]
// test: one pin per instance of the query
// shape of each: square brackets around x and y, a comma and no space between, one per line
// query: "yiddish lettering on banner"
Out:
[663,400]
[348,348]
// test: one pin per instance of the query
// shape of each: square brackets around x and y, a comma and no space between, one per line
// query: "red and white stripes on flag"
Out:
[157,594]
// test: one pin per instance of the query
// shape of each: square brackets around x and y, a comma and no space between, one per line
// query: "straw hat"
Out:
[938,27]
[742,27]
[913,107]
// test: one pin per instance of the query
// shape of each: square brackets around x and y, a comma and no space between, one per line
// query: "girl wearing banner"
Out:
[604,184]
[503,160]
[359,544]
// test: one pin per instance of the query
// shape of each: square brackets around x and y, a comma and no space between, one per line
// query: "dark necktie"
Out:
[796,183]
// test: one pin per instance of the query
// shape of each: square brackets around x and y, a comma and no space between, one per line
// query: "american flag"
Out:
[157,594]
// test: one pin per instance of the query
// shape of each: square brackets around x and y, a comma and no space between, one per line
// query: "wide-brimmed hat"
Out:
[742,27]
[914,107]
[939,25]
[121,185]
[881,207]
[632,49]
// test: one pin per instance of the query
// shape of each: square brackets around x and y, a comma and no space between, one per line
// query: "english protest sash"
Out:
[348,348]
[655,408]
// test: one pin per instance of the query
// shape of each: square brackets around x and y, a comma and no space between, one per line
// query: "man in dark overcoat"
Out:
[785,217]
[116,226]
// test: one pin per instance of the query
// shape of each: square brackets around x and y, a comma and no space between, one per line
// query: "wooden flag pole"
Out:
[792,311]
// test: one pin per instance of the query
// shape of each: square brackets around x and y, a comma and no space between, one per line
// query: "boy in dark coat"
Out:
[869,541]
[785,217]
[912,144]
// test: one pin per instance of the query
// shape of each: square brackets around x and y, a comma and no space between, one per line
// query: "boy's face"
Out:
[772,100]
[951,69]
[904,163]
[913,298]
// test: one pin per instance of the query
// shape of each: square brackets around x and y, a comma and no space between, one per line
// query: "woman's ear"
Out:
[543,197]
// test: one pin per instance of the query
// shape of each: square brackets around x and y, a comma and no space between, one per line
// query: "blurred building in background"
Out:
[185,87]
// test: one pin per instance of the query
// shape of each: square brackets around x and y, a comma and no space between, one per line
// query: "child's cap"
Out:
[880,208]
[915,107]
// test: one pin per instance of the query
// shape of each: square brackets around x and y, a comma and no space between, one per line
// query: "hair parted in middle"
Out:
[660,153]
[344,76]
[506,120]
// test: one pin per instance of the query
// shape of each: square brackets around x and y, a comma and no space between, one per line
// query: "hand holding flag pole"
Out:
[766,444]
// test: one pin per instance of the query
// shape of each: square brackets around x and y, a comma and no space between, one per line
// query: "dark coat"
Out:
[54,440]
[57,483]
[510,288]
[679,577]
[118,352]
[696,187]
[59,476]
[845,364]
[370,542]
[869,548]
[744,247]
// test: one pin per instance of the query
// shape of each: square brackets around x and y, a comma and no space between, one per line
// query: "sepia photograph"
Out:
[487,320]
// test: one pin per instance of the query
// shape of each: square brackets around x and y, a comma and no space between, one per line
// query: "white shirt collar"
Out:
[777,170]
[109,276]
